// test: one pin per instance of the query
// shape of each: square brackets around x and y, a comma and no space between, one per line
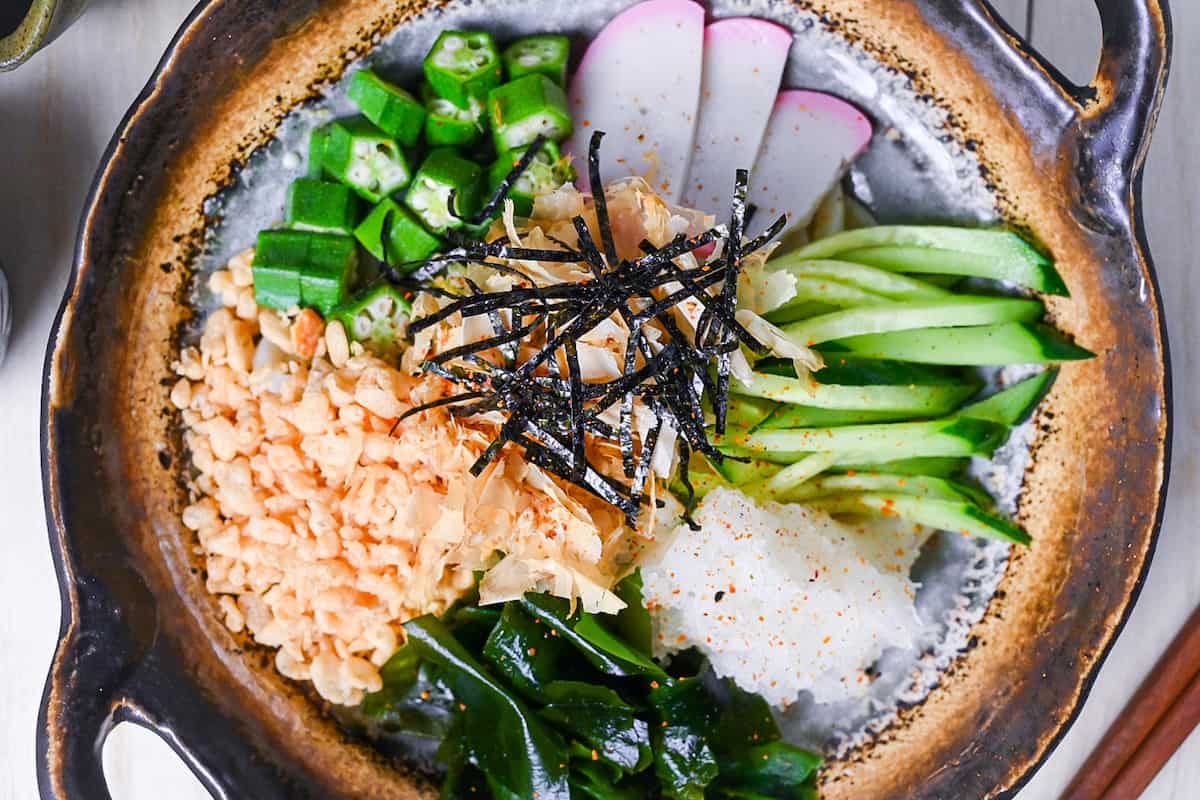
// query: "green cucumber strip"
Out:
[833,293]
[1041,277]
[916,400]
[702,484]
[793,476]
[957,311]
[1007,256]
[867,372]
[794,312]
[983,345]
[794,416]
[947,515]
[1016,404]
[731,446]
[748,412]
[861,276]
[876,482]
[850,371]
[932,467]
[738,473]
[954,437]
[940,281]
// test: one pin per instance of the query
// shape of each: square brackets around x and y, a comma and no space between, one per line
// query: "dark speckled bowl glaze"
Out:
[142,642]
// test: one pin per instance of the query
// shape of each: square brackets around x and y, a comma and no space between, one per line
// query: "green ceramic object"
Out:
[26,26]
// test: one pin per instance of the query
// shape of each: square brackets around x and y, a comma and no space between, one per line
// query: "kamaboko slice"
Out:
[639,82]
[811,140]
[744,60]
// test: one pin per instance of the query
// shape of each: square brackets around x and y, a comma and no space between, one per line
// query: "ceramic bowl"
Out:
[973,127]
[26,27]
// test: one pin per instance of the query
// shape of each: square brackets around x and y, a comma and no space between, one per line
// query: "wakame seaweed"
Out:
[550,416]
[551,703]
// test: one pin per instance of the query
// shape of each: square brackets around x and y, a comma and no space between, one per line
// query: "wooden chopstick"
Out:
[1150,728]
[1167,737]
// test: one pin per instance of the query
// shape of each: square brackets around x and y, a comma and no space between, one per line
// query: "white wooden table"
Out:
[56,115]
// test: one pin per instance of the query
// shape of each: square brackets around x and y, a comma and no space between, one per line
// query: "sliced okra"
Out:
[378,317]
[365,158]
[443,172]
[538,55]
[305,268]
[316,152]
[523,109]
[548,171]
[390,108]
[392,234]
[327,278]
[315,205]
[462,65]
[447,125]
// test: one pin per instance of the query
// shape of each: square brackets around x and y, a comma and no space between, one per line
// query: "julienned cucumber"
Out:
[928,261]
[847,371]
[738,473]
[795,416]
[869,444]
[957,311]
[983,345]
[947,515]
[998,254]
[747,412]
[1013,405]
[933,467]
[833,293]
[926,401]
[876,482]
[702,484]
[787,480]
[733,446]
[940,281]
[861,276]
[794,312]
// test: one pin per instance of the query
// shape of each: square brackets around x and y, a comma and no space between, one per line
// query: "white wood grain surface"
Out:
[56,115]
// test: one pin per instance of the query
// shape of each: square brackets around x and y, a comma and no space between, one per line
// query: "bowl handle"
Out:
[1120,107]
[81,700]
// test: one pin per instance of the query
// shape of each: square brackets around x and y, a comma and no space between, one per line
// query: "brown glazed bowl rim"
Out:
[102,673]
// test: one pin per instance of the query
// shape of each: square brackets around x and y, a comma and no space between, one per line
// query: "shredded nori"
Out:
[549,411]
